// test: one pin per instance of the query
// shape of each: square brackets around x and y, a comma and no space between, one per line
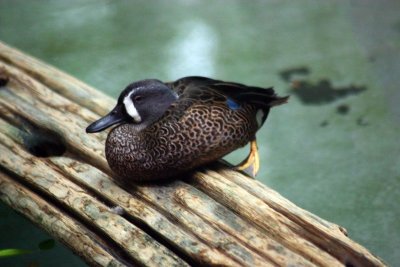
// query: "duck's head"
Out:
[140,103]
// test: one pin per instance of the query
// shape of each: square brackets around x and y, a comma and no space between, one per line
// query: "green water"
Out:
[333,150]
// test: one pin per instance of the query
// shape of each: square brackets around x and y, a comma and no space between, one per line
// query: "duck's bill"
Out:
[116,115]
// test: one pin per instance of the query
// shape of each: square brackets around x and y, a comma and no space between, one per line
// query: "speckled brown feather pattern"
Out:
[196,129]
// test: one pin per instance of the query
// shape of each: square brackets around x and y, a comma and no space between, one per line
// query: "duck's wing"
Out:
[196,86]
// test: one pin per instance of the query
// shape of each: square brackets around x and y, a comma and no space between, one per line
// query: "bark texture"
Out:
[57,176]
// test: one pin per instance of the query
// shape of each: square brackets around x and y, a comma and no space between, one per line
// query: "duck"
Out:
[163,129]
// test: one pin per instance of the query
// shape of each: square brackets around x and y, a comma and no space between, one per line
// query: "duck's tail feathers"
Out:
[263,98]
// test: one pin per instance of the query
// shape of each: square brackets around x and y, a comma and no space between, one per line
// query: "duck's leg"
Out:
[251,164]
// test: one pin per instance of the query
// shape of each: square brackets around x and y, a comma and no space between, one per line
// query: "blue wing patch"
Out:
[232,104]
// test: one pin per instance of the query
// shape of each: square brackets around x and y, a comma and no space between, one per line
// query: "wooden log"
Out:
[56,175]
[75,235]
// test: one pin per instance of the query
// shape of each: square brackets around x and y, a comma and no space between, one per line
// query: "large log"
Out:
[56,175]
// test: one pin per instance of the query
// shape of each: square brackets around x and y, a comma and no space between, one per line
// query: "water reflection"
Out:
[74,16]
[193,51]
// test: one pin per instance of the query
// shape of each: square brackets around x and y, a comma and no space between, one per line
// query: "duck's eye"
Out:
[138,98]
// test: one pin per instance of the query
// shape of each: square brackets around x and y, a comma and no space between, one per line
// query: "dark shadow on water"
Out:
[322,92]
[343,109]
[319,93]
[324,123]
[288,74]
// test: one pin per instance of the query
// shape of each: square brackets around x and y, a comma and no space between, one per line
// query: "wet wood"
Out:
[57,176]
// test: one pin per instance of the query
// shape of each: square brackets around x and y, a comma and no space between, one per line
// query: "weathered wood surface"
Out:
[56,175]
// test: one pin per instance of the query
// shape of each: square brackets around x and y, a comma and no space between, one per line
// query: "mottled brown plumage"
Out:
[202,120]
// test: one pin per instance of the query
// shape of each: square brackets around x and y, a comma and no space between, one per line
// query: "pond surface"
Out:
[334,149]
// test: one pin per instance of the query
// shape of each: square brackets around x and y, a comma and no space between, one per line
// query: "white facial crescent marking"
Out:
[130,108]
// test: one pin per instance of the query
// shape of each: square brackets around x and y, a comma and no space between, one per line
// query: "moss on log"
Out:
[56,175]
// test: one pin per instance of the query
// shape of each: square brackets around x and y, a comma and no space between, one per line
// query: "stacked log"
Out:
[56,175]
